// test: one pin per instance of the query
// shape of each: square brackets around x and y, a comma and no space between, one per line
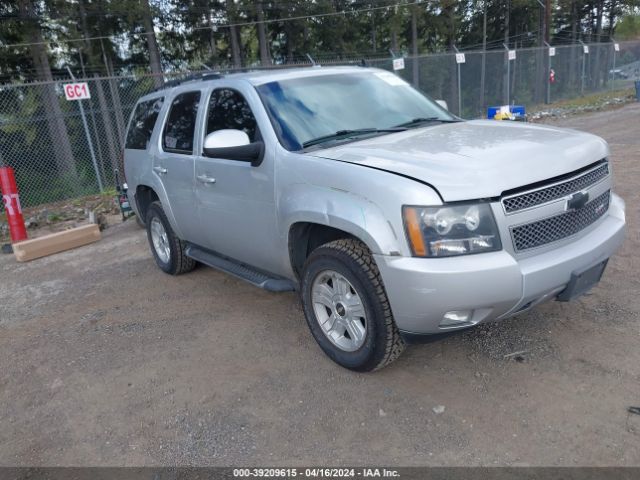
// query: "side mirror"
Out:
[443,104]
[233,145]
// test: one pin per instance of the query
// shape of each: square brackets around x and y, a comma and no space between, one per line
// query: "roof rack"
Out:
[190,78]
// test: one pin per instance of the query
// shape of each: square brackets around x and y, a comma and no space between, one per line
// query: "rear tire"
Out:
[347,308]
[167,249]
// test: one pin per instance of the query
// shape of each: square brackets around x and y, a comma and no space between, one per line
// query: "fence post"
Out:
[584,58]
[547,77]
[508,82]
[459,84]
[613,70]
[88,135]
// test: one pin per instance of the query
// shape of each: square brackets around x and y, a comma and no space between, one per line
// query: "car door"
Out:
[235,199]
[174,162]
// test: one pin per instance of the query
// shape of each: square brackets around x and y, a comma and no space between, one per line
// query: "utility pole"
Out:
[484,54]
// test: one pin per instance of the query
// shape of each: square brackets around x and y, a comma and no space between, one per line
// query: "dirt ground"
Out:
[105,360]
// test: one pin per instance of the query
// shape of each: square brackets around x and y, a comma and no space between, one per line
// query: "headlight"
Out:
[451,230]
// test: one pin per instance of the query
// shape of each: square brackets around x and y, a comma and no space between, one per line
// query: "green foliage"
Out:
[37,187]
[628,28]
[193,33]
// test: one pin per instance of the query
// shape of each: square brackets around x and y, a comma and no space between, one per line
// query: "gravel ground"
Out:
[105,360]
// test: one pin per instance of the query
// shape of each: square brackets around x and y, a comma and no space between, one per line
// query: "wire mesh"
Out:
[42,135]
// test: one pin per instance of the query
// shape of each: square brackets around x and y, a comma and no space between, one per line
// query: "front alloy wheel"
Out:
[346,306]
[339,310]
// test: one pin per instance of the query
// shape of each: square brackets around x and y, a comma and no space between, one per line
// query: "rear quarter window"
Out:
[144,120]
[181,123]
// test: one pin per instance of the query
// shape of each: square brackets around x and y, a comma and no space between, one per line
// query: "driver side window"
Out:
[228,109]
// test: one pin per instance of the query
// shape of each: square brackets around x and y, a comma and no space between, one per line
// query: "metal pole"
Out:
[613,72]
[459,86]
[548,76]
[484,55]
[88,135]
[508,75]
[583,69]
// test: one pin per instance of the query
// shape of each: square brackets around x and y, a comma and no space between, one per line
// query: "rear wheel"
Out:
[346,306]
[168,250]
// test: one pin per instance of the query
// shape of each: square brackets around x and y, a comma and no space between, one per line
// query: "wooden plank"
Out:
[56,242]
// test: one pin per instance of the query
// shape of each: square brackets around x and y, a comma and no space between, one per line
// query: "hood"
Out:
[475,159]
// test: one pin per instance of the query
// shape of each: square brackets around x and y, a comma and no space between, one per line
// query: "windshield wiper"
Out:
[420,120]
[341,134]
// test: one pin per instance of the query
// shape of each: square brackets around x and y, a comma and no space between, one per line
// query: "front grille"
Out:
[561,226]
[559,190]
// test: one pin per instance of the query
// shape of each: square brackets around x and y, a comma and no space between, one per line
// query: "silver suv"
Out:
[395,220]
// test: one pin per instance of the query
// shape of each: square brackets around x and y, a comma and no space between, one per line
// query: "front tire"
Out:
[347,308]
[168,250]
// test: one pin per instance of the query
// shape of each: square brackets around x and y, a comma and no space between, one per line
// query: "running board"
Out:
[239,270]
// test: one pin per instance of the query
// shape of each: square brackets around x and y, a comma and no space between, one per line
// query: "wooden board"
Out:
[56,242]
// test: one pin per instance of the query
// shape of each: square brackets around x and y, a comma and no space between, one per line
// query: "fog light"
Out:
[456,317]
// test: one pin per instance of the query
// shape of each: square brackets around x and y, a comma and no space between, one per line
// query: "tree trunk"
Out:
[265,58]
[571,81]
[152,45]
[115,96]
[85,29]
[414,47]
[612,17]
[597,67]
[213,49]
[110,135]
[373,29]
[547,23]
[56,126]
[233,36]
[289,45]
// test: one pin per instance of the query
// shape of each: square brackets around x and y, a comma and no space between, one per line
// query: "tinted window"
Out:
[142,123]
[229,109]
[181,123]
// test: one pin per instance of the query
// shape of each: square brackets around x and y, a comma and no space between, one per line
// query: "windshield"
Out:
[305,109]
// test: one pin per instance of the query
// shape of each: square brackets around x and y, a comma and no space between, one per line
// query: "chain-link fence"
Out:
[61,151]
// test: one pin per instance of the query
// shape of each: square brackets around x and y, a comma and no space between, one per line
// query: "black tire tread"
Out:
[360,253]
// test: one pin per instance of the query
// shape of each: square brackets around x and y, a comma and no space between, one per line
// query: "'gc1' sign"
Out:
[77,91]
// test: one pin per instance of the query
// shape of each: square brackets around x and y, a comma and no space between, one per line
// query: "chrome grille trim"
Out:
[558,227]
[548,193]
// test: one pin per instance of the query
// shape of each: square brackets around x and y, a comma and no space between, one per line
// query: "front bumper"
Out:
[494,285]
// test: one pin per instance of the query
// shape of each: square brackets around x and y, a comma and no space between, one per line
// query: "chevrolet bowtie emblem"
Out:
[577,201]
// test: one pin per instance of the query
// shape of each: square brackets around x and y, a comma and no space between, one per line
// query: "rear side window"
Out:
[141,128]
[181,123]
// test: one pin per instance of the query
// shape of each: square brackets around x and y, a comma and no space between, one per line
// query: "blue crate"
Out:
[517,111]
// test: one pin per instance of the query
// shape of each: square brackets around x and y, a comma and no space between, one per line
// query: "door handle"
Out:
[160,170]
[206,179]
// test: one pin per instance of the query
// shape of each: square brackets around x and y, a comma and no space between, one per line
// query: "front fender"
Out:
[339,209]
